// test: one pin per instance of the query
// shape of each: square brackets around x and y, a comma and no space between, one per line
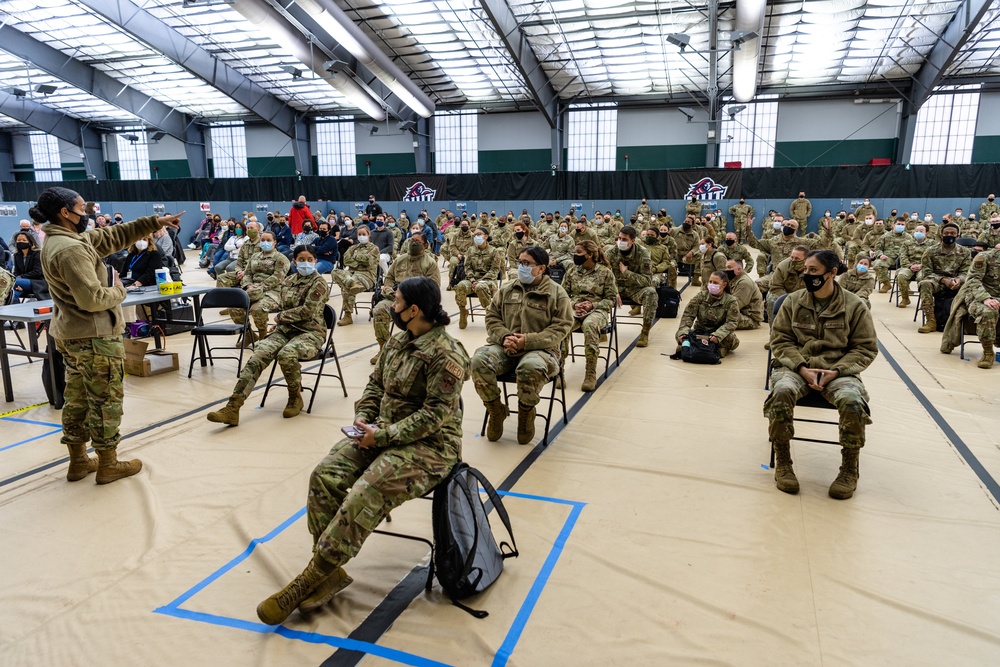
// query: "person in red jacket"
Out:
[298,213]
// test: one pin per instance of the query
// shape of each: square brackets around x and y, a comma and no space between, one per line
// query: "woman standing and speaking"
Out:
[87,326]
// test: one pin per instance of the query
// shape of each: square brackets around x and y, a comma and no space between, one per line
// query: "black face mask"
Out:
[742,202]
[322,232]
[118,219]
[579,260]
[787,230]
[232,228]
[686,226]
[813,283]
[730,242]
[519,235]
[21,245]
[995,225]
[731,275]
[949,240]
[991,199]
[664,235]
[464,228]
[502,224]
[397,319]
[81,225]
[307,229]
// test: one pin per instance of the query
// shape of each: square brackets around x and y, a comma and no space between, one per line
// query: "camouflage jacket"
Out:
[710,315]
[501,236]
[408,266]
[662,254]
[990,237]
[646,211]
[249,248]
[300,302]
[414,393]
[596,286]
[984,278]
[266,270]
[736,251]
[913,251]
[362,259]
[542,312]
[891,244]
[864,211]
[786,278]
[685,240]
[639,265]
[748,297]
[741,212]
[939,262]
[861,284]
[801,209]
[483,263]
[606,232]
[560,248]
[780,247]
[587,234]
[457,244]
[693,208]
[988,208]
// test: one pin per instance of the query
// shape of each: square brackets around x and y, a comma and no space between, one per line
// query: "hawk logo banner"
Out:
[705,184]
[419,188]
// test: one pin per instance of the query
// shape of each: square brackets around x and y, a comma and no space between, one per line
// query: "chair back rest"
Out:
[226,297]
[329,316]
[777,306]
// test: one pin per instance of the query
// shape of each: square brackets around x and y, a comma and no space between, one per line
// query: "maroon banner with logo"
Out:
[705,184]
[419,188]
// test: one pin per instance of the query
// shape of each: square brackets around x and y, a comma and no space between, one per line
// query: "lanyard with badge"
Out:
[135,260]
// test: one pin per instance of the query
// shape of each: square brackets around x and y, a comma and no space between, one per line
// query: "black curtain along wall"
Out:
[896,181]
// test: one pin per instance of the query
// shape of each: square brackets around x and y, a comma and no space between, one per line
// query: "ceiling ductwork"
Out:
[746,59]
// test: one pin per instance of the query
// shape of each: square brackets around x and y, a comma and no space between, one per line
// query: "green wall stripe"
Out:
[532,159]
[832,153]
[387,163]
[683,156]
[986,149]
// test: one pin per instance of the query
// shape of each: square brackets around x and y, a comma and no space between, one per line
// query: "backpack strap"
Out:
[501,511]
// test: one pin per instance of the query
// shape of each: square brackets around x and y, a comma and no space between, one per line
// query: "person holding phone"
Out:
[87,326]
[408,439]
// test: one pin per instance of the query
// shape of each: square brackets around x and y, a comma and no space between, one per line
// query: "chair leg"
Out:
[267,388]
[194,348]
[319,375]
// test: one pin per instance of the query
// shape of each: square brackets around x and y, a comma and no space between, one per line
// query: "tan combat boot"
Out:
[904,300]
[329,587]
[498,412]
[346,320]
[463,317]
[249,339]
[525,424]
[275,609]
[643,338]
[230,414]
[930,325]
[109,468]
[989,356]
[80,465]
[590,375]
[635,311]
[378,354]
[294,406]
[847,481]
[784,475]
[696,280]
[884,288]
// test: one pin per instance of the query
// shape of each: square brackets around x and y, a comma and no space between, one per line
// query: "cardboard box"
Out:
[143,363]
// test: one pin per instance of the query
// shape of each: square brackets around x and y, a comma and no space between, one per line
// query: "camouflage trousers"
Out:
[928,288]
[903,278]
[986,321]
[6,284]
[846,393]
[747,322]
[669,278]
[645,297]
[92,407]
[484,289]
[353,489]
[351,284]
[532,369]
[382,320]
[591,326]
[288,350]
[882,267]
[762,262]
[259,311]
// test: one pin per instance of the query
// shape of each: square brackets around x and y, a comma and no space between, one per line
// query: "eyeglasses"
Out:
[527,264]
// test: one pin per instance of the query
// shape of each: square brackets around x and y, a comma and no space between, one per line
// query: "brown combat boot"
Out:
[989,356]
[249,339]
[930,325]
[230,414]
[294,406]
[463,317]
[525,424]
[884,288]
[329,587]
[904,300]
[378,354]
[346,320]
[696,280]
[590,375]
[109,468]
[275,609]
[847,481]
[498,411]
[635,311]
[643,338]
[80,465]
[784,475]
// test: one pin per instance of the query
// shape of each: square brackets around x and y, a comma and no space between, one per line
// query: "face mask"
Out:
[600,221]
[798,264]
[919,236]
[416,248]
[478,240]
[731,274]
[686,226]
[322,232]
[525,275]
[958,213]
[899,229]
[841,216]
[827,214]
[702,248]
[623,245]
[787,230]
[913,217]
[397,319]
[867,202]
[776,225]
[639,218]
[664,235]
[502,223]
[21,245]
[305,268]
[994,225]
[119,218]
[362,239]
[862,268]
[949,240]
[730,242]
[519,235]
[650,240]
[464,228]
[928,218]
[266,246]
[813,283]
[990,198]
[81,224]
[141,245]
[392,224]
[252,233]
[714,290]
[869,222]
[579,260]
[742,202]
[563,230]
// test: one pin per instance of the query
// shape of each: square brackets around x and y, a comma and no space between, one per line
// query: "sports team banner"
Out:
[418,188]
[705,184]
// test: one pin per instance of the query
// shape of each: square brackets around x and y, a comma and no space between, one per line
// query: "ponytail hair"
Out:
[50,202]
[595,251]
[829,259]
[424,293]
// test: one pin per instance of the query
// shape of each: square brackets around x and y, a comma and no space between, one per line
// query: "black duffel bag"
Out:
[698,349]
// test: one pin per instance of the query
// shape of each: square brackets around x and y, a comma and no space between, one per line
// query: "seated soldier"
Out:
[748,297]
[297,334]
[417,261]
[982,298]
[264,273]
[822,338]
[859,280]
[361,262]
[990,236]
[483,267]
[713,313]
[686,239]
[909,263]
[633,269]
[712,259]
[591,287]
[663,255]
[560,247]
[887,251]
[945,266]
[456,245]
[787,277]
[526,325]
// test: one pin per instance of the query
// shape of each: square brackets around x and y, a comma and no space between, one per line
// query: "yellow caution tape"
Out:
[20,410]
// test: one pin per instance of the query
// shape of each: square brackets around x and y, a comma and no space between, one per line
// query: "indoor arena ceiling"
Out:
[118,63]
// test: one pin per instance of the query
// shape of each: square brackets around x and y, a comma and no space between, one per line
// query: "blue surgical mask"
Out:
[899,228]
[266,246]
[392,224]
[524,274]
[305,268]
[920,236]
[862,268]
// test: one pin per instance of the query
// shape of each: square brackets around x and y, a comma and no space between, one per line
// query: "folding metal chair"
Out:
[511,378]
[611,331]
[221,297]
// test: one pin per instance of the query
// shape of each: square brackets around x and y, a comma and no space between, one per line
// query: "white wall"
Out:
[988,123]
[513,131]
[167,148]
[836,120]
[266,141]
[658,127]
[389,140]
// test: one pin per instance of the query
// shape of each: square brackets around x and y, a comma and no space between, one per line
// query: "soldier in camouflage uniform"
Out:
[859,280]
[865,210]
[943,267]
[298,334]
[742,213]
[712,312]
[526,325]
[663,255]
[546,228]
[991,236]
[591,287]
[411,418]
[748,297]
[265,271]
[787,277]
[960,220]
[982,298]
[560,247]
[6,284]
[455,247]
[87,326]
[909,263]
[643,209]
[233,274]
[988,208]
[888,250]
[732,249]
[822,338]
[712,259]
[781,247]
[687,240]
[664,218]
[633,269]
[502,234]
[693,207]
[483,265]
[361,262]
[581,232]
[416,262]
[801,209]
[606,230]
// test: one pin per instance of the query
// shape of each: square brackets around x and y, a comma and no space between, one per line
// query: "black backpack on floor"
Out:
[467,558]
[668,300]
